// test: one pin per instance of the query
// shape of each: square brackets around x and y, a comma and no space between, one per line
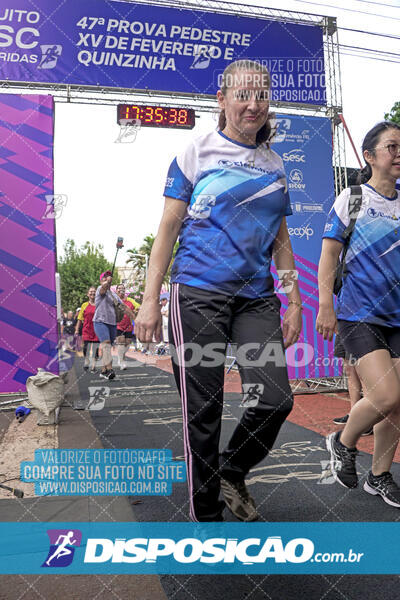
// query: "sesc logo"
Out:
[294,156]
[227,164]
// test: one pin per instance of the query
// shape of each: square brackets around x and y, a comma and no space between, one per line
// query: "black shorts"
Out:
[127,334]
[360,339]
[339,350]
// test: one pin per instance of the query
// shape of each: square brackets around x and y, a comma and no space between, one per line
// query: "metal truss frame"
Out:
[202,103]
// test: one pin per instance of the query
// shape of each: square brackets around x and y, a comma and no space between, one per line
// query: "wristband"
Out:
[296,303]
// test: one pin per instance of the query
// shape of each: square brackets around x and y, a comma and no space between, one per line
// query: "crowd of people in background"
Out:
[88,330]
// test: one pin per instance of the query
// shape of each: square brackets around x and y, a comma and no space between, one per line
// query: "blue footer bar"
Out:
[204,548]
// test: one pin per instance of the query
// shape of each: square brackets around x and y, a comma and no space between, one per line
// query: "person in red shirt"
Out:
[125,327]
[90,339]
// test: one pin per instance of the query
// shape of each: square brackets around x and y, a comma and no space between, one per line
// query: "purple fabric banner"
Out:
[28,323]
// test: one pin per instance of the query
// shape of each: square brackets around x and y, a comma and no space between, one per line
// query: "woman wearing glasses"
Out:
[368,311]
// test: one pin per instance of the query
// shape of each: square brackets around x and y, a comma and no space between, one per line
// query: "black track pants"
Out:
[201,324]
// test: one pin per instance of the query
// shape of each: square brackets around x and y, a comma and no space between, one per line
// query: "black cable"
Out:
[370,57]
[387,35]
[377,3]
[362,12]
[368,49]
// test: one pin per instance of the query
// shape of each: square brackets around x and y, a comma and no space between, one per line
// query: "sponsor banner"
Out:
[28,319]
[103,472]
[134,45]
[305,145]
[209,548]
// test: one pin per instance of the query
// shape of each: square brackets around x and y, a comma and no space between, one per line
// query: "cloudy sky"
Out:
[116,189]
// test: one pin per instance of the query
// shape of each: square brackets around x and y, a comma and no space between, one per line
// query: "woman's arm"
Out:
[105,286]
[284,261]
[148,321]
[326,319]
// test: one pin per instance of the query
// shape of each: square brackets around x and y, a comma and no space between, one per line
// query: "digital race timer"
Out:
[157,116]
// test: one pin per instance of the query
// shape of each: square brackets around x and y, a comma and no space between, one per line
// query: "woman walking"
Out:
[226,197]
[368,312]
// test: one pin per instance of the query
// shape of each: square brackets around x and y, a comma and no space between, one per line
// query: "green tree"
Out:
[80,268]
[394,114]
[139,262]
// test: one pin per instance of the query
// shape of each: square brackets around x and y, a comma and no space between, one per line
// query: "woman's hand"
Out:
[291,325]
[148,322]
[326,323]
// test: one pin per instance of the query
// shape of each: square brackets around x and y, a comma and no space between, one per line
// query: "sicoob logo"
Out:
[61,551]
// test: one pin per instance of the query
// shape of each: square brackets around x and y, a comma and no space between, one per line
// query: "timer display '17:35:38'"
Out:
[157,116]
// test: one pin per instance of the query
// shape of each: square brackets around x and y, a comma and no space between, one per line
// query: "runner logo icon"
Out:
[61,551]
[50,55]
[252,393]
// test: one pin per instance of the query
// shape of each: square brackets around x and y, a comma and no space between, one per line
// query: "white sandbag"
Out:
[45,391]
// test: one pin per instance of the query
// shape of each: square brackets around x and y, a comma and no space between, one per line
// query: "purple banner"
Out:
[28,324]
[152,47]
[305,145]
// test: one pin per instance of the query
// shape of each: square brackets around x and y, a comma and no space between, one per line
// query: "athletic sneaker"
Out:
[341,420]
[93,370]
[368,432]
[384,486]
[108,374]
[122,366]
[238,500]
[343,461]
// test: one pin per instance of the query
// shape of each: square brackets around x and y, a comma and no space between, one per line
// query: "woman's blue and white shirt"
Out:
[237,196]
[371,289]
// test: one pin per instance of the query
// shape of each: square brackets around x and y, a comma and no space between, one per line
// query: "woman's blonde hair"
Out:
[266,132]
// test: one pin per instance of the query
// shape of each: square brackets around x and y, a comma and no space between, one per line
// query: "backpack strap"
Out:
[355,203]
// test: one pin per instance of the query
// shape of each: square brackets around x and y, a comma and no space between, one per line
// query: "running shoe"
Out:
[122,366]
[238,500]
[93,370]
[384,486]
[108,374]
[343,461]
[341,420]
[368,432]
